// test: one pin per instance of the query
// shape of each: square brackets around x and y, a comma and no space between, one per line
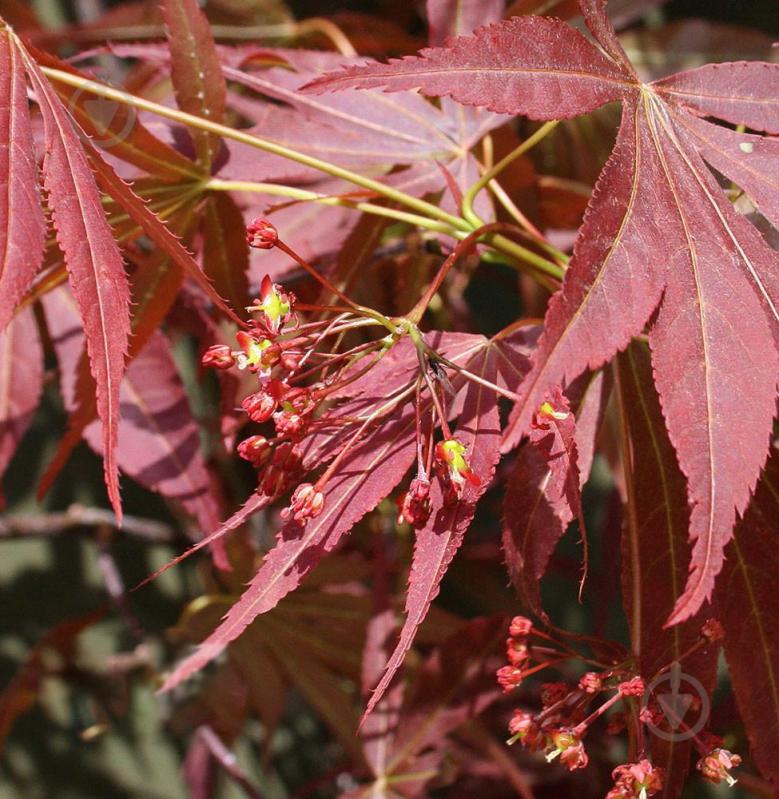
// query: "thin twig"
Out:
[51,524]
[227,760]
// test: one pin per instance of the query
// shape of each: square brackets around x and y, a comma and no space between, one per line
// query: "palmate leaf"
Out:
[658,236]
[745,599]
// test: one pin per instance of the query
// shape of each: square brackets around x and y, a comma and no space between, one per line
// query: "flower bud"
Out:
[520,627]
[414,505]
[632,687]
[255,449]
[306,504]
[591,682]
[259,406]
[261,234]
[218,357]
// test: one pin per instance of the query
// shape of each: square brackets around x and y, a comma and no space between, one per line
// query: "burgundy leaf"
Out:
[750,161]
[225,254]
[746,601]
[436,545]
[555,73]
[541,501]
[22,226]
[447,18]
[740,92]
[368,473]
[156,230]
[195,71]
[116,127]
[716,275]
[94,263]
[656,551]
[21,381]
[159,441]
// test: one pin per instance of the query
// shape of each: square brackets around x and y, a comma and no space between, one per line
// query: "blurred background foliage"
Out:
[79,717]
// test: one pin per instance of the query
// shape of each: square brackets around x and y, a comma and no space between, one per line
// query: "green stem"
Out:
[483,181]
[191,120]
[279,190]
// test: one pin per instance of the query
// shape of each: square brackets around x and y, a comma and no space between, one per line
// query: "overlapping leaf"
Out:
[656,552]
[159,442]
[538,506]
[745,600]
[21,381]
[659,235]
[367,473]
[22,226]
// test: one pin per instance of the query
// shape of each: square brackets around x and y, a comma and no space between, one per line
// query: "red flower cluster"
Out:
[636,781]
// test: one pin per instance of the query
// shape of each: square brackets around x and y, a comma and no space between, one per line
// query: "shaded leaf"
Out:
[21,381]
[656,551]
[745,599]
[715,275]
[22,226]
[195,72]
[225,255]
[538,503]
[478,430]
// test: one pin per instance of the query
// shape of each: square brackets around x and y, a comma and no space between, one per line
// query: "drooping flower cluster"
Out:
[559,728]
[297,369]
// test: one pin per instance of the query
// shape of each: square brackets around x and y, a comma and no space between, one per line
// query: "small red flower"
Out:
[520,627]
[524,728]
[306,503]
[259,406]
[274,306]
[218,357]
[517,652]
[636,780]
[414,505]
[591,682]
[509,678]
[450,453]
[568,746]
[715,767]
[261,234]
[632,687]
[255,449]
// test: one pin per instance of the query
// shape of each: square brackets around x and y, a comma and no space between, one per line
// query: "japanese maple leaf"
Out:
[660,244]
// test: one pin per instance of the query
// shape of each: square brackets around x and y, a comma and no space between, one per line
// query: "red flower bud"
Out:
[261,234]
[259,406]
[306,503]
[255,449]
[591,682]
[218,357]
[520,627]
[414,505]
[633,687]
